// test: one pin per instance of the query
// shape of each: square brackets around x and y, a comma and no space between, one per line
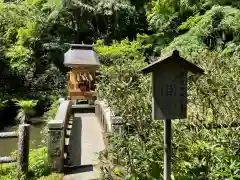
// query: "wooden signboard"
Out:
[169,94]
[169,84]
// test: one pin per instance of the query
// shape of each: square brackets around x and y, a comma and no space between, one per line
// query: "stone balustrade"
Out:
[109,122]
[57,129]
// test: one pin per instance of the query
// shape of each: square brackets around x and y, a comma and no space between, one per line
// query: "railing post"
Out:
[55,146]
[23,147]
[97,108]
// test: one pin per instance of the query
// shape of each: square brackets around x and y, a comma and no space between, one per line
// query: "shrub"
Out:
[26,109]
[203,146]
[53,176]
[38,167]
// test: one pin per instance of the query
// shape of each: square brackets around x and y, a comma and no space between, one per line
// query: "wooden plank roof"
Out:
[175,58]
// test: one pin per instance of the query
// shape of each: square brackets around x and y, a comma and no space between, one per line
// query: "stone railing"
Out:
[109,122]
[23,147]
[57,129]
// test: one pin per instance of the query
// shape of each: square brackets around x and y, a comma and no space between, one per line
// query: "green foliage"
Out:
[170,18]
[18,27]
[123,58]
[26,104]
[34,32]
[19,56]
[3,103]
[125,89]
[199,150]
[190,22]
[219,87]
[53,176]
[216,29]
[22,54]
[38,167]
[48,116]
[123,48]
[26,109]
[39,162]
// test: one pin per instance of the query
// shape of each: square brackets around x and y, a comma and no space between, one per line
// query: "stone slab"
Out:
[86,141]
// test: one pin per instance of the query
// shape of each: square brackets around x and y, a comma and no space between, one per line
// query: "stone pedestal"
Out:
[55,146]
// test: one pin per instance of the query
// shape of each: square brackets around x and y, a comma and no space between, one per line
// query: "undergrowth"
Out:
[205,144]
[38,168]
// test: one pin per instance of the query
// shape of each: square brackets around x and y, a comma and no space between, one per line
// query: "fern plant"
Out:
[26,109]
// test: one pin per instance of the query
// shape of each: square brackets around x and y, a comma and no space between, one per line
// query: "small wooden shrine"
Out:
[83,62]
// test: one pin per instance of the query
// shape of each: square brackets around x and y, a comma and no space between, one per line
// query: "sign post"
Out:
[169,96]
[167,148]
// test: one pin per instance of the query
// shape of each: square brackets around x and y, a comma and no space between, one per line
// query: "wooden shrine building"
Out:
[83,62]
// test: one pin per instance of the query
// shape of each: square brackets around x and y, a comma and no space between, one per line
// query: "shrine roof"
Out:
[81,54]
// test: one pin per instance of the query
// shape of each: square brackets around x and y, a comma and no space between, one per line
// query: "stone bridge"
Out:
[76,137]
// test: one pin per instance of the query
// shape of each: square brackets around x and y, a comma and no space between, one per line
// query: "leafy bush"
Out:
[53,176]
[26,109]
[38,167]
[38,162]
[217,29]
[50,114]
[203,146]
[171,18]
